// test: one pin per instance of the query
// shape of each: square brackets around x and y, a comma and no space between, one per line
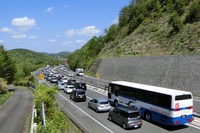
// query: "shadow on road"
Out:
[169,128]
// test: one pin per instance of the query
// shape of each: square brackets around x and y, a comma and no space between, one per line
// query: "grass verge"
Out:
[4,97]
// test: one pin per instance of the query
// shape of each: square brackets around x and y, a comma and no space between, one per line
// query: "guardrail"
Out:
[43,116]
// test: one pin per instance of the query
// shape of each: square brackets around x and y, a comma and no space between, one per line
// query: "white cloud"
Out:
[32,37]
[80,41]
[67,43]
[70,32]
[87,31]
[6,29]
[58,35]
[24,22]
[1,41]
[116,21]
[50,10]
[19,36]
[52,40]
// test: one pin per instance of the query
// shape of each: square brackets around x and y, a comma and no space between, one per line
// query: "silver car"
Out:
[128,117]
[99,104]
[61,85]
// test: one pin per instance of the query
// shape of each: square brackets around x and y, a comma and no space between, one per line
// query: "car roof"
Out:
[71,79]
[101,99]
[127,109]
[70,86]
[79,90]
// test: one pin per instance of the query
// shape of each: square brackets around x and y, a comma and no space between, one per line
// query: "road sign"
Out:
[97,75]
[41,76]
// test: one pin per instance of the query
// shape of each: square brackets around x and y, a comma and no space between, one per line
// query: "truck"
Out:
[79,72]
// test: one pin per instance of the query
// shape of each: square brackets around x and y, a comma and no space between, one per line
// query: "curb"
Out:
[196,115]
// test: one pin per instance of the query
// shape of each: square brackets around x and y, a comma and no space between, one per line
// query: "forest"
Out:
[16,66]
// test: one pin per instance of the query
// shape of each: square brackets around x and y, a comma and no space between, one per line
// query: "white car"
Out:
[65,79]
[68,89]
[70,74]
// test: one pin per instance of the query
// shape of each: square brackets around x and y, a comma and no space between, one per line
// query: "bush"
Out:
[175,21]
[3,86]
[194,13]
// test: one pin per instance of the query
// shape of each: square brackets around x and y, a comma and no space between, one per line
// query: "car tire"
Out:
[96,109]
[116,104]
[124,126]
[110,118]
[148,116]
[89,105]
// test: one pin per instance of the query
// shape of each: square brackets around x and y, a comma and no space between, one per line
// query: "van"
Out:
[80,85]
[78,95]
[127,117]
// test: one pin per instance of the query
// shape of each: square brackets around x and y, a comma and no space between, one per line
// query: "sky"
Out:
[54,26]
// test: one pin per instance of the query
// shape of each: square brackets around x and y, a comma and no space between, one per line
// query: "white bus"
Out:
[162,105]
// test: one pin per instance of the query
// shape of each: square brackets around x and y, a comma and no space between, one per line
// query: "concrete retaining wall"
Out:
[177,71]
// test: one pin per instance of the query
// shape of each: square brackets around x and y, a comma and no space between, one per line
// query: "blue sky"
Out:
[55,25]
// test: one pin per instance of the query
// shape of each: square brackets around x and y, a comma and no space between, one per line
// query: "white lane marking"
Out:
[97,91]
[192,126]
[87,114]
[89,97]
[71,115]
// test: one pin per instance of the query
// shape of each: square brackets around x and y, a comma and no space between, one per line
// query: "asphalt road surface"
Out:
[14,112]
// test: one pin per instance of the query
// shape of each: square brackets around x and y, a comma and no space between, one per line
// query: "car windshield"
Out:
[71,87]
[134,115]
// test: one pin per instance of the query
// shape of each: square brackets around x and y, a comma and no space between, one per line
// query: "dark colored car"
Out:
[78,95]
[128,117]
[54,80]
[80,85]
[71,81]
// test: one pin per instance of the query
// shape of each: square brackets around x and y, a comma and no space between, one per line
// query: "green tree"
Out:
[7,66]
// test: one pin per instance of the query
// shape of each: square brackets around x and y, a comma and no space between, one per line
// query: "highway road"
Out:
[93,122]
[15,111]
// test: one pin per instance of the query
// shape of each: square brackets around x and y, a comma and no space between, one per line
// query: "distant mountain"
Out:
[63,54]
[35,58]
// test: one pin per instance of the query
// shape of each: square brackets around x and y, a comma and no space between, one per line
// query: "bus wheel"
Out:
[116,103]
[148,116]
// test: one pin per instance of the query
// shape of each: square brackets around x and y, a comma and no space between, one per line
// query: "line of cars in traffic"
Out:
[127,117]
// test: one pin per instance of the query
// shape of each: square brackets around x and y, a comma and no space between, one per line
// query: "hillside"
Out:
[63,54]
[145,28]
[28,61]
[34,58]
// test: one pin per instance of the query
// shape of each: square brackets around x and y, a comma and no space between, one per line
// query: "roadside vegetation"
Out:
[16,66]
[4,97]
[145,28]
[56,120]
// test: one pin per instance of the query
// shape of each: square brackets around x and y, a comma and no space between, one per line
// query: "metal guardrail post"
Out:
[43,116]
